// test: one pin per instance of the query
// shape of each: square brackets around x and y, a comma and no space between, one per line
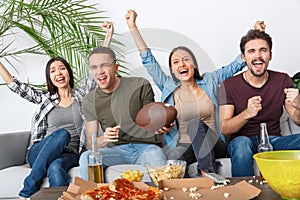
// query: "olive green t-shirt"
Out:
[120,108]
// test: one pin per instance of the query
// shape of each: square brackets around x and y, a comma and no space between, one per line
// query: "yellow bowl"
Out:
[281,169]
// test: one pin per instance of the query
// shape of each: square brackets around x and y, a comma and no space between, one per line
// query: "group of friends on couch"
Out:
[218,113]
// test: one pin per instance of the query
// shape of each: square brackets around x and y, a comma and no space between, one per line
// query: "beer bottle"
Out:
[95,168]
[264,144]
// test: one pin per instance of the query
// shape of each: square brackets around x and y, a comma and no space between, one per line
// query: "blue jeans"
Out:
[142,154]
[242,148]
[49,158]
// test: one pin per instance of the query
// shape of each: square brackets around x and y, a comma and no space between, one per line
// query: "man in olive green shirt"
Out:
[114,105]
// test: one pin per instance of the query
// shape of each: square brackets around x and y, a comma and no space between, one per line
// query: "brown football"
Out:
[156,115]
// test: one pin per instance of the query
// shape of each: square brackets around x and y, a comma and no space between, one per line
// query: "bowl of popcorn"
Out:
[173,169]
[281,170]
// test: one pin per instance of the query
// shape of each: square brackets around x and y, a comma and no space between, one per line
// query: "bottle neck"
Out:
[94,146]
[264,138]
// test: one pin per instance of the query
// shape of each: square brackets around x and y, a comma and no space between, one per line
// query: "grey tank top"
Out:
[68,118]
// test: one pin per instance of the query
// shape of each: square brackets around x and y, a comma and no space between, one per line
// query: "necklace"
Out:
[258,85]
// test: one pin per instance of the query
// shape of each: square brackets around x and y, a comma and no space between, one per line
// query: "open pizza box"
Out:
[173,189]
[79,186]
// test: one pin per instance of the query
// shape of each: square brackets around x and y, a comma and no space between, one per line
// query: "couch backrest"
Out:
[13,148]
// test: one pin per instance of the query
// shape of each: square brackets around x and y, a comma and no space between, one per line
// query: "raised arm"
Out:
[109,30]
[25,91]
[135,33]
[7,77]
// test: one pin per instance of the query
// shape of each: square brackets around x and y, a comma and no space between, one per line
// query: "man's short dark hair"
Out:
[296,76]
[255,34]
[104,50]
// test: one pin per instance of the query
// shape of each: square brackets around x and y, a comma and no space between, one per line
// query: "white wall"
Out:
[212,28]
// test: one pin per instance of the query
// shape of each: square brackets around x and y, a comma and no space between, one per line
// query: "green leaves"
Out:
[297,83]
[66,28]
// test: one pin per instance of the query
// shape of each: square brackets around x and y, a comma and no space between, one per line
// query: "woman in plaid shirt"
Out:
[58,125]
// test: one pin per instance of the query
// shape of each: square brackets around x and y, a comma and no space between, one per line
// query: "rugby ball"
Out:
[155,116]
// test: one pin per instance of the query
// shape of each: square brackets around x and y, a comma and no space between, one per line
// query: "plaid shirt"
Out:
[47,102]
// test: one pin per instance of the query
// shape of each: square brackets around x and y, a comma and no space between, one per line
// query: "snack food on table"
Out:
[173,169]
[121,189]
[132,175]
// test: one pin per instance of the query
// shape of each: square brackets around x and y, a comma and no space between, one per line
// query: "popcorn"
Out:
[184,189]
[226,194]
[214,187]
[264,181]
[195,195]
[193,189]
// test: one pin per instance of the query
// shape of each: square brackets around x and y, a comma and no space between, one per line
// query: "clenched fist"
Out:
[254,106]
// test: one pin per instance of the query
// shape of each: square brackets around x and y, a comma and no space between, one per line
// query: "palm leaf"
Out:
[65,28]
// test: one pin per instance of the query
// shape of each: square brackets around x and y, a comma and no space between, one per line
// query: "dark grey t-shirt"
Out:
[121,108]
[68,118]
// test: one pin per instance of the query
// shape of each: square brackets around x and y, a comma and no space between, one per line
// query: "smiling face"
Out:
[103,69]
[59,75]
[182,65]
[257,56]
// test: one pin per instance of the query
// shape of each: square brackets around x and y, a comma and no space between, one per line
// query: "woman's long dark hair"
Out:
[196,73]
[50,86]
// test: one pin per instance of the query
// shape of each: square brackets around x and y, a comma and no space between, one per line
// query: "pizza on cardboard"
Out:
[187,188]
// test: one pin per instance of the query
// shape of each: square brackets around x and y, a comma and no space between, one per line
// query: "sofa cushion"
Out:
[13,148]
[12,178]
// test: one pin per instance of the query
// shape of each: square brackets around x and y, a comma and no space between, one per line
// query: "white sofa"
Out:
[13,167]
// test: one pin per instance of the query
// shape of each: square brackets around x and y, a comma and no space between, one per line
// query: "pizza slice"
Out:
[121,189]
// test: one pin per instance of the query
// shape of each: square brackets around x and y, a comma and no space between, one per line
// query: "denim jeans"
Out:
[241,150]
[144,154]
[205,147]
[49,158]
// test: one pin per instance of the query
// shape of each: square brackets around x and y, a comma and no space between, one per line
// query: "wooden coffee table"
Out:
[266,191]
[49,193]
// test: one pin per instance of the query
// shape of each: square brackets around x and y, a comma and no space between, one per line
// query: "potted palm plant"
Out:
[66,28]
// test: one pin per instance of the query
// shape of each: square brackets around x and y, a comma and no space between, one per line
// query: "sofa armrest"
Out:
[13,148]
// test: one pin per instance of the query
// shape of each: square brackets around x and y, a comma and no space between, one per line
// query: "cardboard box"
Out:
[173,189]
